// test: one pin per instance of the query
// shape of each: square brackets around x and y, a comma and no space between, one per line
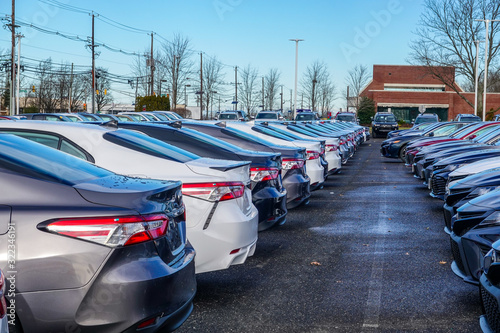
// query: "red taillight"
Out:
[112,231]
[330,148]
[147,323]
[312,155]
[3,305]
[215,191]
[263,174]
[292,163]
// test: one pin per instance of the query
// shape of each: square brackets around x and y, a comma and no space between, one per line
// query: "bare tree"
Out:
[315,74]
[102,86]
[212,79]
[357,78]
[446,37]
[177,64]
[46,96]
[271,88]
[142,72]
[326,95]
[248,90]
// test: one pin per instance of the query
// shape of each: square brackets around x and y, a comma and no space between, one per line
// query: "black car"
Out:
[383,123]
[269,192]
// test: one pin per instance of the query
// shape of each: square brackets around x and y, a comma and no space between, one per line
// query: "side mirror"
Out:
[252,118]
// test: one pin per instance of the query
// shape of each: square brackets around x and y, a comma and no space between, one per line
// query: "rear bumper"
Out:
[298,189]
[271,205]
[134,284]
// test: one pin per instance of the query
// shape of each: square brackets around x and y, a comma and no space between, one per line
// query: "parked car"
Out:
[426,118]
[383,123]
[138,116]
[347,116]
[46,116]
[108,117]
[466,117]
[473,231]
[266,194]
[269,116]
[306,116]
[213,189]
[489,290]
[94,251]
[76,117]
[233,116]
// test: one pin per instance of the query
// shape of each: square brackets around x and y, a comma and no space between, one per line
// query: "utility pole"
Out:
[281,94]
[313,97]
[136,86]
[93,65]
[201,85]
[12,58]
[70,89]
[236,88]
[476,76]
[19,36]
[347,102]
[263,103]
[174,83]
[152,64]
[291,101]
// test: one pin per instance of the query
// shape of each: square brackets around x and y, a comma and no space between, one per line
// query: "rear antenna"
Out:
[221,124]
[111,124]
[175,124]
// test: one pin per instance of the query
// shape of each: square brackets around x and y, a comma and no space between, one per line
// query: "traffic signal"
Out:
[97,92]
[105,91]
[84,106]
[33,88]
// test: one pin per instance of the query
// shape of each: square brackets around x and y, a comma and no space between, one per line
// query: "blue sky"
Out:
[237,32]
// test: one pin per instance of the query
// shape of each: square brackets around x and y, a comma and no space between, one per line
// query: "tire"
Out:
[402,153]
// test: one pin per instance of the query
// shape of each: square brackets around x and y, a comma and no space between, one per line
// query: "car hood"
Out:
[476,167]
[490,200]
[486,178]
[469,156]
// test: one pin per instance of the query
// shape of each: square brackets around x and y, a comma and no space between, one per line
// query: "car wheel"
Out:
[402,153]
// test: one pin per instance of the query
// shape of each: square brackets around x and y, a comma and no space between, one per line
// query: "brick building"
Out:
[405,89]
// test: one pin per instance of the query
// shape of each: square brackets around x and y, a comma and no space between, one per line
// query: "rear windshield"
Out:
[285,132]
[230,116]
[345,117]
[426,120]
[246,136]
[41,162]
[302,116]
[389,118]
[273,133]
[267,115]
[148,145]
[212,140]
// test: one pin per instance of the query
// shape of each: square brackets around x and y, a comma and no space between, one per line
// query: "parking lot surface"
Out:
[368,254]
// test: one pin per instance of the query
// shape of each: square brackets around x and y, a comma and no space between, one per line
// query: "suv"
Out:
[383,122]
[232,116]
[426,118]
[306,116]
[269,116]
[346,116]
[467,117]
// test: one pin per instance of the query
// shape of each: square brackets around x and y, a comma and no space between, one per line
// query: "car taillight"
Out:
[3,305]
[331,148]
[312,155]
[215,191]
[112,231]
[292,163]
[263,174]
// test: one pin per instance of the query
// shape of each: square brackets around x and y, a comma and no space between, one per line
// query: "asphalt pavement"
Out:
[368,254]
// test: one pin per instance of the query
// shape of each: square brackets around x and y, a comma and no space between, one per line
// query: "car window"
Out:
[266,115]
[212,140]
[123,118]
[49,140]
[69,148]
[73,118]
[145,144]
[287,133]
[445,130]
[35,160]
[345,117]
[302,116]
[161,117]
[243,135]
[106,117]
[464,130]
[228,116]
[385,118]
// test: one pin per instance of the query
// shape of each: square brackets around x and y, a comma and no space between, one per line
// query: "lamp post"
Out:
[296,74]
[477,76]
[487,22]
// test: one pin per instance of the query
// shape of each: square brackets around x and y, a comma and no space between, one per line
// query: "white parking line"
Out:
[372,311]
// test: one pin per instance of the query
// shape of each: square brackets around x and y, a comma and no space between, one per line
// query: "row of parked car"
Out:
[459,162]
[118,210]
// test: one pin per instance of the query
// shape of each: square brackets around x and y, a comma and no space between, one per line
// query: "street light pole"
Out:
[19,36]
[296,74]
[487,22]
[477,76]
[185,94]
